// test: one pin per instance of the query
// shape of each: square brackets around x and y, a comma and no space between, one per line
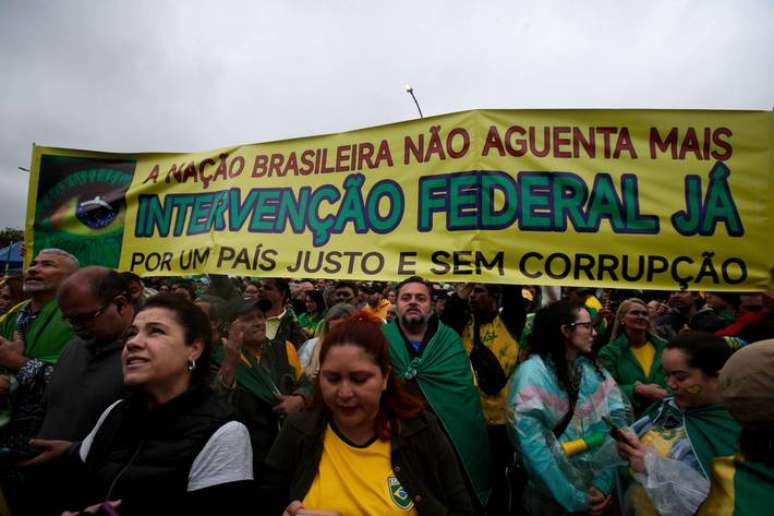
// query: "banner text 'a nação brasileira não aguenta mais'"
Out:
[619,198]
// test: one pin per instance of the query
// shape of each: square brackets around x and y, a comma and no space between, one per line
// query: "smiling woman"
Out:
[676,440]
[170,447]
[633,356]
[367,447]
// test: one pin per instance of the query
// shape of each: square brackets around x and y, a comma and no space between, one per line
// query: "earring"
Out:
[191,364]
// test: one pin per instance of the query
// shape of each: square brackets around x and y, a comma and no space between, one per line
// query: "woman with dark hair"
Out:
[171,447]
[367,447]
[633,355]
[559,404]
[675,441]
[315,311]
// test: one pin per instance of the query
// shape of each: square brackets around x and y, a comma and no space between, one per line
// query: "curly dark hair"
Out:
[548,341]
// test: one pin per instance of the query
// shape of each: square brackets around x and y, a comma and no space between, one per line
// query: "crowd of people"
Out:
[220,395]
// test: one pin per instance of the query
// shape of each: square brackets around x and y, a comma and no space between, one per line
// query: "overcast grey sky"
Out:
[184,75]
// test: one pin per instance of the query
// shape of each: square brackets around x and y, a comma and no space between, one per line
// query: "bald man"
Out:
[95,303]
[88,377]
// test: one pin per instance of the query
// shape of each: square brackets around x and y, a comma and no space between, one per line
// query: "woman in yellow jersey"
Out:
[674,443]
[633,356]
[367,447]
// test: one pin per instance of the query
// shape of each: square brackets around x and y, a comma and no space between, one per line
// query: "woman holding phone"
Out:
[367,447]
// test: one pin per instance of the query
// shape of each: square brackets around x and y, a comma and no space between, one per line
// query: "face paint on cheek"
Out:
[694,390]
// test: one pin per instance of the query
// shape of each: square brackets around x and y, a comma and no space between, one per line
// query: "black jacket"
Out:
[144,456]
[422,460]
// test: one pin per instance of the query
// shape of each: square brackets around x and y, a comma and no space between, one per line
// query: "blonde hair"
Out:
[623,309]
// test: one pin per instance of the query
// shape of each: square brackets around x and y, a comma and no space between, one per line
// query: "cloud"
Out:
[183,76]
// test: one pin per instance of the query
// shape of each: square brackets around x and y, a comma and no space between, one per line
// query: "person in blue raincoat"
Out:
[560,402]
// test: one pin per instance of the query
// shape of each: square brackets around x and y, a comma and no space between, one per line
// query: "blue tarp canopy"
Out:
[11,257]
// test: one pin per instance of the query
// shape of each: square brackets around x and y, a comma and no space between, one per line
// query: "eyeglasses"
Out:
[81,319]
[584,324]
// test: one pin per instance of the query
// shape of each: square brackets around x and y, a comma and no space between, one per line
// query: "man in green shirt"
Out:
[35,329]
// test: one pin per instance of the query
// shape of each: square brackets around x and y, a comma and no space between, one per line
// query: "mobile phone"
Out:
[615,432]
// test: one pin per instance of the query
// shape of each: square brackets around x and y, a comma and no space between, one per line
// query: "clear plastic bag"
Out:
[674,488]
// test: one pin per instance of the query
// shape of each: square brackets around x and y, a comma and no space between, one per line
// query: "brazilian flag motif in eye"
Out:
[81,206]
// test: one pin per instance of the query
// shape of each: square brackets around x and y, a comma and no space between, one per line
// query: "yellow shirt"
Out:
[645,355]
[273,324]
[293,359]
[498,339]
[354,480]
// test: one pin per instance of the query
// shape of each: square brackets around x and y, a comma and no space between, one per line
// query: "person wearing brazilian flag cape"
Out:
[678,439]
[430,358]
[743,483]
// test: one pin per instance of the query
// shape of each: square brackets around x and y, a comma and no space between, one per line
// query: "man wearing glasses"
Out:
[88,377]
[94,302]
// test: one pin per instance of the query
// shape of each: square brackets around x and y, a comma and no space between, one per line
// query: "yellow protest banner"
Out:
[613,198]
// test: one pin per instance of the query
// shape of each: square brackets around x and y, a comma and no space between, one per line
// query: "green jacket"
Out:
[619,361]
[422,460]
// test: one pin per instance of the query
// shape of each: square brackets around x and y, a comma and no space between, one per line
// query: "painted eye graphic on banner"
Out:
[87,203]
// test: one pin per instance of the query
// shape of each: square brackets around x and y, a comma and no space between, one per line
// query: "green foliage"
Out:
[10,235]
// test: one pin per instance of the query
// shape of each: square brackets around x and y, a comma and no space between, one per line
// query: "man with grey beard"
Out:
[32,336]
[35,331]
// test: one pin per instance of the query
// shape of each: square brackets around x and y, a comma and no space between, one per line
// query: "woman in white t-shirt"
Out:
[171,447]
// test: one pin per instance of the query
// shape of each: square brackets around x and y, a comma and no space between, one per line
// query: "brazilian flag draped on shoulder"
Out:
[47,335]
[443,374]
[252,377]
[739,487]
[712,431]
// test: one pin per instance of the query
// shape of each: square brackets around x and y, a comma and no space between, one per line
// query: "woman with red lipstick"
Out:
[633,356]
[368,447]
[172,446]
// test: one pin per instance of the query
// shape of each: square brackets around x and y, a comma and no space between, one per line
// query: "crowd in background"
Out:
[228,395]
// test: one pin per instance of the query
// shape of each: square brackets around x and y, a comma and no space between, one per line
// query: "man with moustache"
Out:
[35,330]
[430,358]
[32,337]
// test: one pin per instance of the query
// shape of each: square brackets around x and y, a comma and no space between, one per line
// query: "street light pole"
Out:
[410,91]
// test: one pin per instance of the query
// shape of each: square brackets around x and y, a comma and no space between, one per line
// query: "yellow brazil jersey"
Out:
[498,339]
[645,356]
[356,480]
